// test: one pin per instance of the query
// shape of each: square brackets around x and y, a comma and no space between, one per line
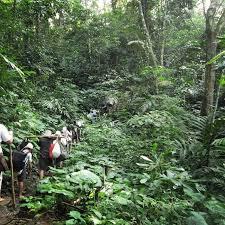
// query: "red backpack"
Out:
[51,147]
[54,150]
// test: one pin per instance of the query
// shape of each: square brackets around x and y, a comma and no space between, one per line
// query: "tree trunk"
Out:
[144,4]
[207,101]
[214,26]
[14,6]
[150,51]
[61,18]
[162,50]
[211,46]
[37,26]
[113,4]
[216,102]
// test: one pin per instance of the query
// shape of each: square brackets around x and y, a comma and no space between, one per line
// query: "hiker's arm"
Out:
[29,163]
[7,136]
[9,142]
[29,168]
[3,161]
[53,136]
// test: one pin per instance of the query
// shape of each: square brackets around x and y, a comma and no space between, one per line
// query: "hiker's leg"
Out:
[54,163]
[76,137]
[21,188]
[0,182]
[60,160]
[70,147]
[79,134]
[1,177]
[43,166]
[41,174]
[21,177]
[41,170]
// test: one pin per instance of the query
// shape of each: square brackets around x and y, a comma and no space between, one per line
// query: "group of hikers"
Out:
[54,149]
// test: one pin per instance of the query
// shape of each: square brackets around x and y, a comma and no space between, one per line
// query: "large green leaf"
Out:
[70,222]
[122,201]
[85,176]
[216,207]
[18,70]
[214,59]
[195,196]
[196,219]
[75,214]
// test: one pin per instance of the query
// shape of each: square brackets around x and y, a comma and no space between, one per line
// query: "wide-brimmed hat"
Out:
[64,129]
[30,146]
[47,133]
[58,133]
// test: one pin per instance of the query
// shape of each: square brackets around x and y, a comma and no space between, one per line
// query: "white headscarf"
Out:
[47,133]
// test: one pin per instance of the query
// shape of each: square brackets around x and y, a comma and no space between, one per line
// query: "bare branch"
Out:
[148,37]
[221,22]
[141,43]
[204,9]
[220,5]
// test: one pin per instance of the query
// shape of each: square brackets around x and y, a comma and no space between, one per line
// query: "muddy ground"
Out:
[19,216]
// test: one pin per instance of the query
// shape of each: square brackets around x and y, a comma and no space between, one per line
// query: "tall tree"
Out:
[149,44]
[113,4]
[215,22]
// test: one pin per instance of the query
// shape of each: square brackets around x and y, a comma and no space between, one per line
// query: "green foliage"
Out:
[13,66]
[196,219]
[64,104]
[76,218]
[216,58]
[150,161]
[65,185]
[154,191]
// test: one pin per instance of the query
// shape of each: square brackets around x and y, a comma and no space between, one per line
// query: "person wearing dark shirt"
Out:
[44,160]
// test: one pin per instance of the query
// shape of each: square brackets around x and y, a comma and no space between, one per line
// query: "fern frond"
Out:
[13,66]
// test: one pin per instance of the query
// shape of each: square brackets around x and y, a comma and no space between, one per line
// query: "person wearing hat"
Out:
[27,163]
[44,161]
[92,115]
[63,153]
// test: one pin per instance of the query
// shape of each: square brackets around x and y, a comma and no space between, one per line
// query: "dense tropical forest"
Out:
[157,156]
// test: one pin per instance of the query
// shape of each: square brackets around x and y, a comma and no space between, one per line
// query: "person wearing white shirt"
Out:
[92,115]
[67,137]
[27,162]
[7,137]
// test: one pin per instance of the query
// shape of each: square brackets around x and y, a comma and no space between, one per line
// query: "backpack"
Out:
[21,146]
[18,159]
[54,150]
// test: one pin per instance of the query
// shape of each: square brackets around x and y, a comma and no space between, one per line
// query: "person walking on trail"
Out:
[26,165]
[7,137]
[92,115]
[79,124]
[67,134]
[44,160]
[75,130]
[67,138]
[63,152]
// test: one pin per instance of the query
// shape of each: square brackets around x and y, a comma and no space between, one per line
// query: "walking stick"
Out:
[42,136]
[12,178]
